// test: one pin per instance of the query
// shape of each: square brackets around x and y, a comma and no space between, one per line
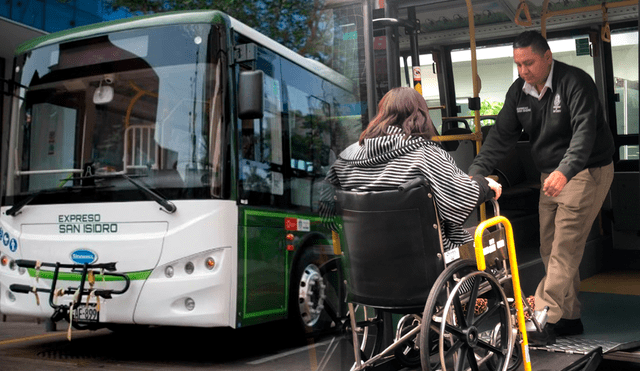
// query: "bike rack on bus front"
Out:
[62,310]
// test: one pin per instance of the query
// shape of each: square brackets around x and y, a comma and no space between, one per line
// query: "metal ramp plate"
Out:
[543,360]
[578,345]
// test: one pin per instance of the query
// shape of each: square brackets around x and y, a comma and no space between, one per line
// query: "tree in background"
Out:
[297,24]
[490,108]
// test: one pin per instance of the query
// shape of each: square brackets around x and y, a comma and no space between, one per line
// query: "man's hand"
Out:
[495,186]
[554,184]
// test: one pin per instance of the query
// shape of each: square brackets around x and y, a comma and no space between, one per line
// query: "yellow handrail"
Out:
[515,276]
[592,8]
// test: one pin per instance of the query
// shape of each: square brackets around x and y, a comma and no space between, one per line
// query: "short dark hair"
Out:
[531,39]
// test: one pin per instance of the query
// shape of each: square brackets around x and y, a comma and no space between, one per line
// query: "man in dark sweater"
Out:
[572,147]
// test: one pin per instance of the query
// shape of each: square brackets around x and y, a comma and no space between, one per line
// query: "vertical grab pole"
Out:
[515,276]
[369,68]
[476,87]
[415,52]
[474,71]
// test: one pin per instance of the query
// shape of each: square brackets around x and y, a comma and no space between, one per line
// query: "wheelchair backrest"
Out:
[392,245]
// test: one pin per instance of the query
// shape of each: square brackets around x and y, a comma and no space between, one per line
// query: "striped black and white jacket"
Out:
[391,160]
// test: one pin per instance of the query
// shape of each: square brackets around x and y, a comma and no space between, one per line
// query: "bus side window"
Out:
[261,148]
[310,143]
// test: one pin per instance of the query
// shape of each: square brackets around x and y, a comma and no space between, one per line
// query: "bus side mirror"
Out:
[250,101]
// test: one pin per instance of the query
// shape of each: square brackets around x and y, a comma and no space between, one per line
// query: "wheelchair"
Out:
[455,311]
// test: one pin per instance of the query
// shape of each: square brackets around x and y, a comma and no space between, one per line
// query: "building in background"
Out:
[21,20]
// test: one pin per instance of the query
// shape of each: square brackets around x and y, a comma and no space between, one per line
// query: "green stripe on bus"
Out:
[264,313]
[274,214]
[65,276]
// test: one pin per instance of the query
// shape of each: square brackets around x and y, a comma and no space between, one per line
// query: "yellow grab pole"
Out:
[474,70]
[515,276]
[476,86]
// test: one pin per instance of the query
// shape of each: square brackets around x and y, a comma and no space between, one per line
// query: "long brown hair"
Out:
[402,107]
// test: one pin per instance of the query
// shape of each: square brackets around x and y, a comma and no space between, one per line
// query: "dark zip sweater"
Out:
[567,127]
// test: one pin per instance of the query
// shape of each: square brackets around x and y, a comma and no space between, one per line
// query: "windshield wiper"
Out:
[15,210]
[168,206]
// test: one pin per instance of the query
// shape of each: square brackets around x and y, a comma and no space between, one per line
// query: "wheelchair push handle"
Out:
[413,183]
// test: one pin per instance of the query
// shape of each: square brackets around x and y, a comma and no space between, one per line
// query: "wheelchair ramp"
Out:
[575,345]
[611,325]
[542,360]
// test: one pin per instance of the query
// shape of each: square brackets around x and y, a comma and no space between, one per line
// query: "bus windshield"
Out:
[120,103]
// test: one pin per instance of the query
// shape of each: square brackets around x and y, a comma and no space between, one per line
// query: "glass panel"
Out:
[629,152]
[30,13]
[564,50]
[53,127]
[624,47]
[493,61]
[131,106]
[311,152]
[430,88]
[493,65]
[262,151]
[59,16]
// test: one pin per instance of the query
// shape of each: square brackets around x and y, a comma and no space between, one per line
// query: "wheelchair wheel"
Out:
[369,325]
[456,334]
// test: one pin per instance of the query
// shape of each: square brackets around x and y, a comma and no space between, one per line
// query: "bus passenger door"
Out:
[263,257]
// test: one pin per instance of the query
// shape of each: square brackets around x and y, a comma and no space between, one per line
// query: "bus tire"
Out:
[315,297]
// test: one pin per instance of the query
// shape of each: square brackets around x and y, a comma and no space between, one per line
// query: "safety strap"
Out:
[75,299]
[605,32]
[91,278]
[35,292]
[523,7]
[57,293]
[37,267]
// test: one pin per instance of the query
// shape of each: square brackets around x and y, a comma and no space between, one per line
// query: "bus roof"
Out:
[185,17]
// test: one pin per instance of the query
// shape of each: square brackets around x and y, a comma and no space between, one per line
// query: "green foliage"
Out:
[294,23]
[490,108]
[487,108]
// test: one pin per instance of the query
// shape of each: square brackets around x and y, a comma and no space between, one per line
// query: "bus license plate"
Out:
[86,313]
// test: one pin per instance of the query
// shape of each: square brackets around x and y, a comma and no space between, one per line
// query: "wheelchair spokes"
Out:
[461,335]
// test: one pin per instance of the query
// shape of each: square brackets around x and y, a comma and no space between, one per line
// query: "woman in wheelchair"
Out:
[398,203]
[396,147]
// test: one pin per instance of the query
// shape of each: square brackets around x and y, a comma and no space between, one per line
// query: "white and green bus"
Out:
[166,170]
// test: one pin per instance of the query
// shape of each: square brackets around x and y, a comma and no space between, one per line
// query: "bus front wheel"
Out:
[315,293]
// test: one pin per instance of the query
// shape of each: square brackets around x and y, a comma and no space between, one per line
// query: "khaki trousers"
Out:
[565,222]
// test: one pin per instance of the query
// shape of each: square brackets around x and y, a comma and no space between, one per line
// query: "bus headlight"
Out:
[168,271]
[190,304]
[203,263]
[210,263]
